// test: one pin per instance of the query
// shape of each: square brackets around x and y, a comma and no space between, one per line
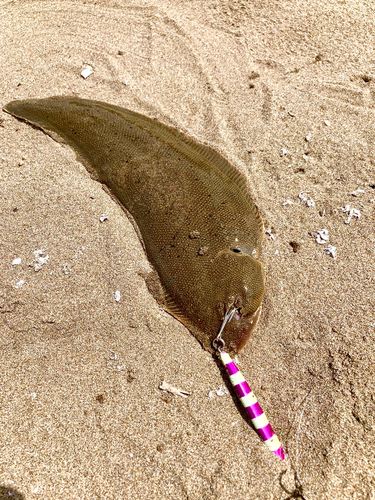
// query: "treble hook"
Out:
[218,343]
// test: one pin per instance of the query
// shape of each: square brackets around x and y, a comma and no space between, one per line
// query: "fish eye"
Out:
[236,250]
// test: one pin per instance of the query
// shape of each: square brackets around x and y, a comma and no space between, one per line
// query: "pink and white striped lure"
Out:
[252,407]
[246,395]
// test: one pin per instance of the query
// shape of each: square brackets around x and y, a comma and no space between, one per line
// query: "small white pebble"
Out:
[327,122]
[276,252]
[305,157]
[87,72]
[33,395]
[310,203]
[308,138]
[103,217]
[16,261]
[117,295]
[20,283]
[287,202]
[284,152]
[210,394]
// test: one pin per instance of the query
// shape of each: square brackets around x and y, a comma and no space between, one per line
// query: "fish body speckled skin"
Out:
[199,226]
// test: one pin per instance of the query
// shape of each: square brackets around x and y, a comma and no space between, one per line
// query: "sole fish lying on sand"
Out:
[199,226]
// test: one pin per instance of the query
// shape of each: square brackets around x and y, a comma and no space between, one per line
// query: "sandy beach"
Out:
[286,92]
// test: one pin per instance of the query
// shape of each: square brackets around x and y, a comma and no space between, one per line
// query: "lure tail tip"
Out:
[280,453]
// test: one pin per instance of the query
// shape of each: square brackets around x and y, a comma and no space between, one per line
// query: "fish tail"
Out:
[252,407]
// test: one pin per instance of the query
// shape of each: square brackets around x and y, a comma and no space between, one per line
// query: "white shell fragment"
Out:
[322,236]
[358,192]
[117,295]
[16,262]
[222,391]
[331,250]
[308,138]
[20,283]
[87,71]
[284,152]
[287,202]
[103,218]
[353,212]
[309,202]
[39,260]
[269,232]
[166,387]
[327,122]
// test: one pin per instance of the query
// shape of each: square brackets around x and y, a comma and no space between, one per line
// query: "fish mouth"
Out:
[238,324]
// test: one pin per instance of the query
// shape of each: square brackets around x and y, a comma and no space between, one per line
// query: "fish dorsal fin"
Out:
[189,148]
[202,155]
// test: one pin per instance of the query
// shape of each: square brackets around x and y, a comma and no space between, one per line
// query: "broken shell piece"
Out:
[353,212]
[308,138]
[87,71]
[322,236]
[269,232]
[103,218]
[117,295]
[165,386]
[327,122]
[284,152]
[16,262]
[358,192]
[222,391]
[309,202]
[331,250]
[40,259]
[287,202]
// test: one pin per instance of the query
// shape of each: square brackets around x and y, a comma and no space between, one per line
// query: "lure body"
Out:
[252,407]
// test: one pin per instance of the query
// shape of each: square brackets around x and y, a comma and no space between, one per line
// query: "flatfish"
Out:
[199,227]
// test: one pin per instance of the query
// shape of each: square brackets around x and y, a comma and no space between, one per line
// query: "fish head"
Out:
[238,282]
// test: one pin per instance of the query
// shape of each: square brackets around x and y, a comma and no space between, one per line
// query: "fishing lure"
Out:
[246,395]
